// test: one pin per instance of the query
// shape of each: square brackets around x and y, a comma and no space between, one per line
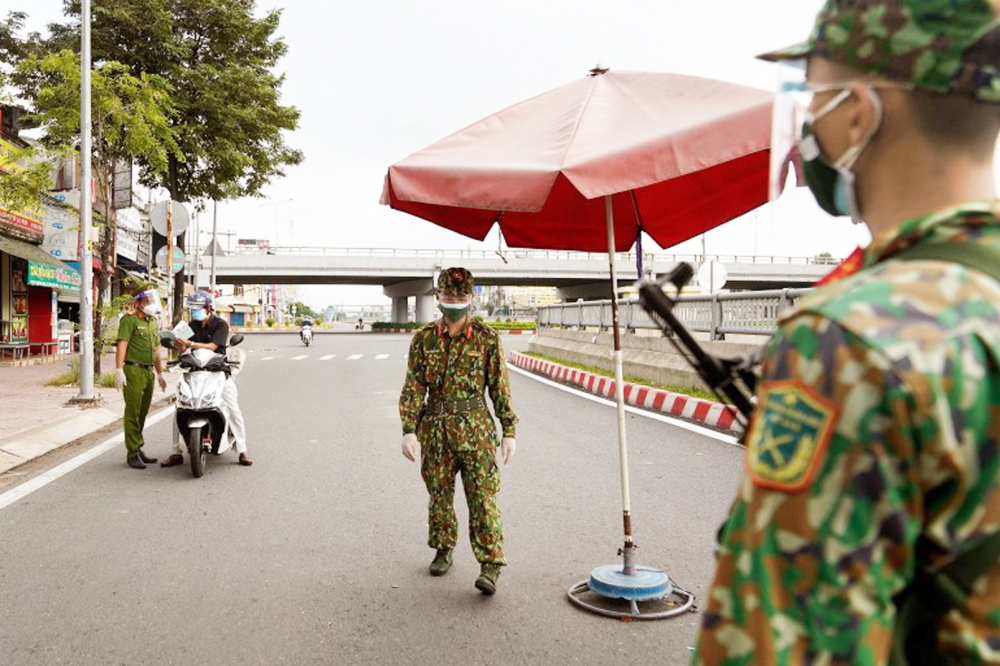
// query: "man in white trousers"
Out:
[211,332]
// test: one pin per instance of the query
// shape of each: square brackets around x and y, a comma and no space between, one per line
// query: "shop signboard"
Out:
[62,233]
[19,297]
[54,277]
[25,224]
[132,236]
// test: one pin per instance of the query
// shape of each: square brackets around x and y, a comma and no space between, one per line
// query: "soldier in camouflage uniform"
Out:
[874,449]
[452,363]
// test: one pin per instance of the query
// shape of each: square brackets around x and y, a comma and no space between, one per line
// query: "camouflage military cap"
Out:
[943,46]
[455,281]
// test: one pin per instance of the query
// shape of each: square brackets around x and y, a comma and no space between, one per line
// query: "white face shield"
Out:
[789,111]
[152,305]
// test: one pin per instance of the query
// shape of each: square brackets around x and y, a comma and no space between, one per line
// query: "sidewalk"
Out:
[38,418]
[712,414]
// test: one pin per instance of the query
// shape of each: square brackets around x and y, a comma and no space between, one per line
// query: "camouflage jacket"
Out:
[878,422]
[459,368]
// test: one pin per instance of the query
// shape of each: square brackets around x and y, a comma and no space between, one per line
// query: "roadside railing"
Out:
[747,313]
[647,257]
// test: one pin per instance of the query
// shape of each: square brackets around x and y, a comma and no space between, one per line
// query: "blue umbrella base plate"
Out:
[645,584]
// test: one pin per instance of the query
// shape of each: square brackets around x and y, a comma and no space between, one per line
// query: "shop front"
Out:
[31,282]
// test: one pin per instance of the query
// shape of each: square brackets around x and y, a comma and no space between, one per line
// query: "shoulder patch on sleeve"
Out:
[787,439]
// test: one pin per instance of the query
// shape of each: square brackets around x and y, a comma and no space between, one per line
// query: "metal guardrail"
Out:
[647,257]
[748,313]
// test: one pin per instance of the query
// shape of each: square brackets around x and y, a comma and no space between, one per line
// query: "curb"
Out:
[712,414]
[24,447]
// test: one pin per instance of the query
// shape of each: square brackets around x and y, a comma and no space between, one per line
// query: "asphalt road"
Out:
[316,554]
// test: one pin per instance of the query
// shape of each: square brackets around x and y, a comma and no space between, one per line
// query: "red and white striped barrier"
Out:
[713,414]
[500,331]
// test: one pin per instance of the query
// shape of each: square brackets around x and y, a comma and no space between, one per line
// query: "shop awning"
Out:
[44,269]
[239,307]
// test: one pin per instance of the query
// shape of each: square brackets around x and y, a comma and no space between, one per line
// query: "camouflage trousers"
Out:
[440,463]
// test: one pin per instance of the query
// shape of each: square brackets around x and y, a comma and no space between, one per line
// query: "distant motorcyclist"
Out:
[212,333]
[306,323]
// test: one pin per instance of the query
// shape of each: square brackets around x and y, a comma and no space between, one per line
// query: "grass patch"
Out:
[72,377]
[693,391]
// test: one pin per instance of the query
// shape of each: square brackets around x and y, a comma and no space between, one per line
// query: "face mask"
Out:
[199,315]
[834,186]
[453,311]
[827,185]
[152,309]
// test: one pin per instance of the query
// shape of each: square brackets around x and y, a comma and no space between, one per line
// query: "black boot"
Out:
[146,459]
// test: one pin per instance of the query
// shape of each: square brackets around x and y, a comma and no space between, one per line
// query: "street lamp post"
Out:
[86,217]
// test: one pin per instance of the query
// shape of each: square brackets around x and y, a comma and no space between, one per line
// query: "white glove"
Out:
[410,445]
[162,381]
[507,447]
[120,378]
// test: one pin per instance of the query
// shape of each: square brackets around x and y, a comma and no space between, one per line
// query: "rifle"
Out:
[730,377]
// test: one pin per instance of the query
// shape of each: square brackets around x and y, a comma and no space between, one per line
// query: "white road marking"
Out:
[327,357]
[714,434]
[299,358]
[354,357]
[42,480]
[267,358]
[381,357]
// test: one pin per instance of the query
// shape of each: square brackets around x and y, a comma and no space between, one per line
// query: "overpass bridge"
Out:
[407,272]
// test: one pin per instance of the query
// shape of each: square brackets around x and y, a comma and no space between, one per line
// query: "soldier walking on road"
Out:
[137,355]
[866,529]
[452,363]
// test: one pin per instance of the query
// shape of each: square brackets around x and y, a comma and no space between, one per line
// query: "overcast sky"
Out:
[377,80]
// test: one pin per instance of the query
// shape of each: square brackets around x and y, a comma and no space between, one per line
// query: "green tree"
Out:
[303,310]
[129,123]
[27,170]
[219,59]
[25,177]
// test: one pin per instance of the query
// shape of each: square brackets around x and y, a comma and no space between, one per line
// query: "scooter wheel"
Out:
[196,451]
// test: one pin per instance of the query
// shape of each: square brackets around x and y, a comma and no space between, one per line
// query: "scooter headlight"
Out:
[183,395]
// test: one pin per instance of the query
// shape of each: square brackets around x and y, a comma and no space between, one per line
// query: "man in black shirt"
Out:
[212,332]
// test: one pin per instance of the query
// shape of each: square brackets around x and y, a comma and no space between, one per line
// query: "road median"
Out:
[704,412]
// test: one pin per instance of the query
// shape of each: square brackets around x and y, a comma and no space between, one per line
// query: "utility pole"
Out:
[86,217]
[215,240]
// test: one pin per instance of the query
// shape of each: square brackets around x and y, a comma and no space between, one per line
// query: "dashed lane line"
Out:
[327,357]
[354,357]
[381,357]
[299,358]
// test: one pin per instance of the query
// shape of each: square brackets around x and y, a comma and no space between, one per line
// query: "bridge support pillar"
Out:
[399,309]
[423,290]
[425,308]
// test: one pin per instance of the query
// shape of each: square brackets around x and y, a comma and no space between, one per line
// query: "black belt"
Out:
[141,365]
[439,407]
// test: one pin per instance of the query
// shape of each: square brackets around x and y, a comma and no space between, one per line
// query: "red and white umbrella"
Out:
[590,165]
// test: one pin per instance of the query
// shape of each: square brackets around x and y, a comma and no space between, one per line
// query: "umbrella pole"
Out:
[629,548]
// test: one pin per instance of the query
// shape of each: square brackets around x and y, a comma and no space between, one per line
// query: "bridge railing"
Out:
[647,257]
[747,313]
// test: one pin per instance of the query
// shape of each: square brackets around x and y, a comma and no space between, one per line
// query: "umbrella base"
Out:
[648,594]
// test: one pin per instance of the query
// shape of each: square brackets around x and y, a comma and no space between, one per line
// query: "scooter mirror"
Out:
[167,339]
[236,339]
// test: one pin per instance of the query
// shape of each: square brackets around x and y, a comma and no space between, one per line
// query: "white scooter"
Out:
[202,418]
[307,335]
